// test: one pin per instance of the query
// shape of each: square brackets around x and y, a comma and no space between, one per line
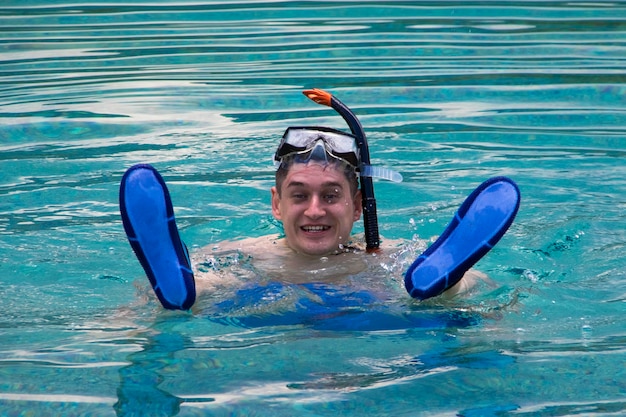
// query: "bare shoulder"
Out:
[214,262]
[253,246]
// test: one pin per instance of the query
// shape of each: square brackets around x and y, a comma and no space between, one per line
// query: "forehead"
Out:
[314,174]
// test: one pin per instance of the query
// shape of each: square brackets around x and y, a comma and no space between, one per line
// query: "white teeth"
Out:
[315,228]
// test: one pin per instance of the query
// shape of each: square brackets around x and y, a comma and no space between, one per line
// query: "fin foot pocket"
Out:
[478,225]
[148,218]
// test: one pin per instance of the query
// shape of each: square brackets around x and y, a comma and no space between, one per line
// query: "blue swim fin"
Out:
[148,218]
[478,225]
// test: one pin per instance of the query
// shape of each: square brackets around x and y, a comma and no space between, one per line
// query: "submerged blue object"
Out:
[478,225]
[148,218]
[327,307]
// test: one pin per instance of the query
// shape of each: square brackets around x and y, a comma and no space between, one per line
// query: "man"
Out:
[317,199]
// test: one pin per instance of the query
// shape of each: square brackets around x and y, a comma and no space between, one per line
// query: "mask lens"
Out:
[336,143]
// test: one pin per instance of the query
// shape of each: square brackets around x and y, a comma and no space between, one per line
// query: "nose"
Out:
[315,209]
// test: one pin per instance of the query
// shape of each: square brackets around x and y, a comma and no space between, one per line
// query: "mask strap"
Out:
[380,172]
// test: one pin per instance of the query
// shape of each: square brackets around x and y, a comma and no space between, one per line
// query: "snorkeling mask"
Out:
[319,143]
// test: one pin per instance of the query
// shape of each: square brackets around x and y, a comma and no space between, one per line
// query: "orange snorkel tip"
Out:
[319,96]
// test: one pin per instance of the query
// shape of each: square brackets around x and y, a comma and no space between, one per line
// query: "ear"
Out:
[275,204]
[358,205]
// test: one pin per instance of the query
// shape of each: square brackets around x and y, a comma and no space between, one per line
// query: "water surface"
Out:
[450,93]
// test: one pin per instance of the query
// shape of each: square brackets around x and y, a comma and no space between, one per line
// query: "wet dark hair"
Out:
[347,169]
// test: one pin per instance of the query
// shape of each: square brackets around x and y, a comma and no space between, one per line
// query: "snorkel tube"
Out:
[370,220]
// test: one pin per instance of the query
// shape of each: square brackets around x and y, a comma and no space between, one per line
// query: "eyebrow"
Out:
[293,184]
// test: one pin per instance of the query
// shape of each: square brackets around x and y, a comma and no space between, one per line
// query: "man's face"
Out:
[316,208]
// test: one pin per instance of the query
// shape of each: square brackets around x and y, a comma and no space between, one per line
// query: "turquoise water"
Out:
[450,93]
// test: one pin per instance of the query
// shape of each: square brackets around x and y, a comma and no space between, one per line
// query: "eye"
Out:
[332,196]
[298,196]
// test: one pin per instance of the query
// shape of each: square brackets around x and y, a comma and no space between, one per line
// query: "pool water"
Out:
[450,93]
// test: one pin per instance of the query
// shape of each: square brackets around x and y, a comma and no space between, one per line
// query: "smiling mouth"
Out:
[315,229]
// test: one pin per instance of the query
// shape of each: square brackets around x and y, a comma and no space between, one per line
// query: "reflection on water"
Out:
[139,392]
[449,93]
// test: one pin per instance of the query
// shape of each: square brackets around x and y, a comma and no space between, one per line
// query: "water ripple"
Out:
[449,93]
